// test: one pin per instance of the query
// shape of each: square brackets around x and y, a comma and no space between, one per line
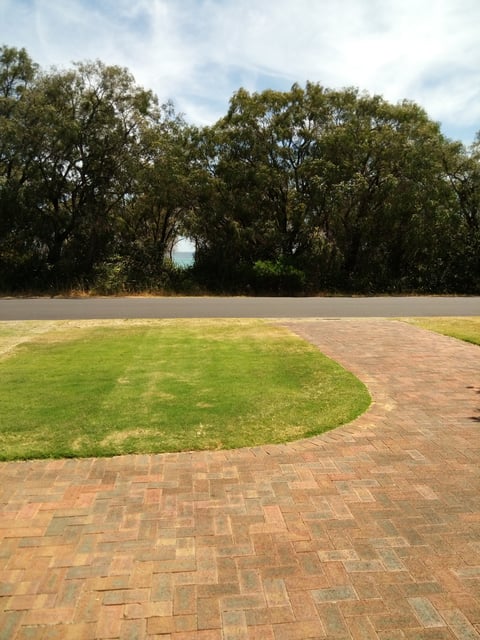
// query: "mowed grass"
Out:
[467,329]
[106,388]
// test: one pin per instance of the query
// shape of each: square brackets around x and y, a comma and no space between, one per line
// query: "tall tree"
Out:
[343,186]
[81,129]
[17,75]
[305,190]
[257,211]
[161,200]
[462,167]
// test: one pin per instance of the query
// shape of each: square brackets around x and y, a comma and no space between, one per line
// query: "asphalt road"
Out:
[235,307]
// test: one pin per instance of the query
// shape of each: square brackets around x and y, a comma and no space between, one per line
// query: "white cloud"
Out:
[198,52]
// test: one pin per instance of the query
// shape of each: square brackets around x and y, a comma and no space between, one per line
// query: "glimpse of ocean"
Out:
[183,258]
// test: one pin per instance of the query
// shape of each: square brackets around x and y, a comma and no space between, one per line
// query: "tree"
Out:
[341,188]
[161,199]
[257,211]
[306,190]
[17,74]
[384,189]
[462,169]
[80,131]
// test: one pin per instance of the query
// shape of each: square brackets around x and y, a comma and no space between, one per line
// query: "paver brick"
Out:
[367,532]
[426,612]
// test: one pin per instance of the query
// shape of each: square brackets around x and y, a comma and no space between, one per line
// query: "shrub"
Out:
[278,277]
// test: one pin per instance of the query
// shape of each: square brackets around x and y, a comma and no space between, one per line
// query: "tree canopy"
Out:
[304,191]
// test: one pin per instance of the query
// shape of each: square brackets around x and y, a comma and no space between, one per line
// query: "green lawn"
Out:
[103,388]
[467,329]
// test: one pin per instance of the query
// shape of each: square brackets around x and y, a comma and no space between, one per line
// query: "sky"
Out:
[197,53]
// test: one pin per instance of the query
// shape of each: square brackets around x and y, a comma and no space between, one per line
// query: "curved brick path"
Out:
[371,531]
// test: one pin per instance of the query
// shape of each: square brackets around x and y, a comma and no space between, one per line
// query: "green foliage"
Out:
[111,276]
[306,190]
[342,186]
[138,386]
[278,277]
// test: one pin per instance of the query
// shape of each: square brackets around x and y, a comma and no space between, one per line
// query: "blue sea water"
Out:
[183,258]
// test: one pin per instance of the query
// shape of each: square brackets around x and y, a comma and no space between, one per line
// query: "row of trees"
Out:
[301,191]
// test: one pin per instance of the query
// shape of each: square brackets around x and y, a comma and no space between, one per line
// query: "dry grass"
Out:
[467,328]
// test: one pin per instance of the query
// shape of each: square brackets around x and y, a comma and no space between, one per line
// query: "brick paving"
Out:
[369,532]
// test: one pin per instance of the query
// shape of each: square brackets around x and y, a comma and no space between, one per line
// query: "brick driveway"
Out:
[369,532]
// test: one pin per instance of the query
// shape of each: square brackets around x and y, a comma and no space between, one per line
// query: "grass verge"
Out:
[101,388]
[467,329]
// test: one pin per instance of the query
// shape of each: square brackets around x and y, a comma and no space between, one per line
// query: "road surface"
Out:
[236,307]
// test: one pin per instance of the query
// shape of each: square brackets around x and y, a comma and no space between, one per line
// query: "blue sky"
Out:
[198,52]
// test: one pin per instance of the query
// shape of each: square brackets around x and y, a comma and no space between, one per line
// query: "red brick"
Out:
[367,531]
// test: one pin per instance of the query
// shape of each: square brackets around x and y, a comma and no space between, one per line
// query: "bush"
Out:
[278,277]
[111,276]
